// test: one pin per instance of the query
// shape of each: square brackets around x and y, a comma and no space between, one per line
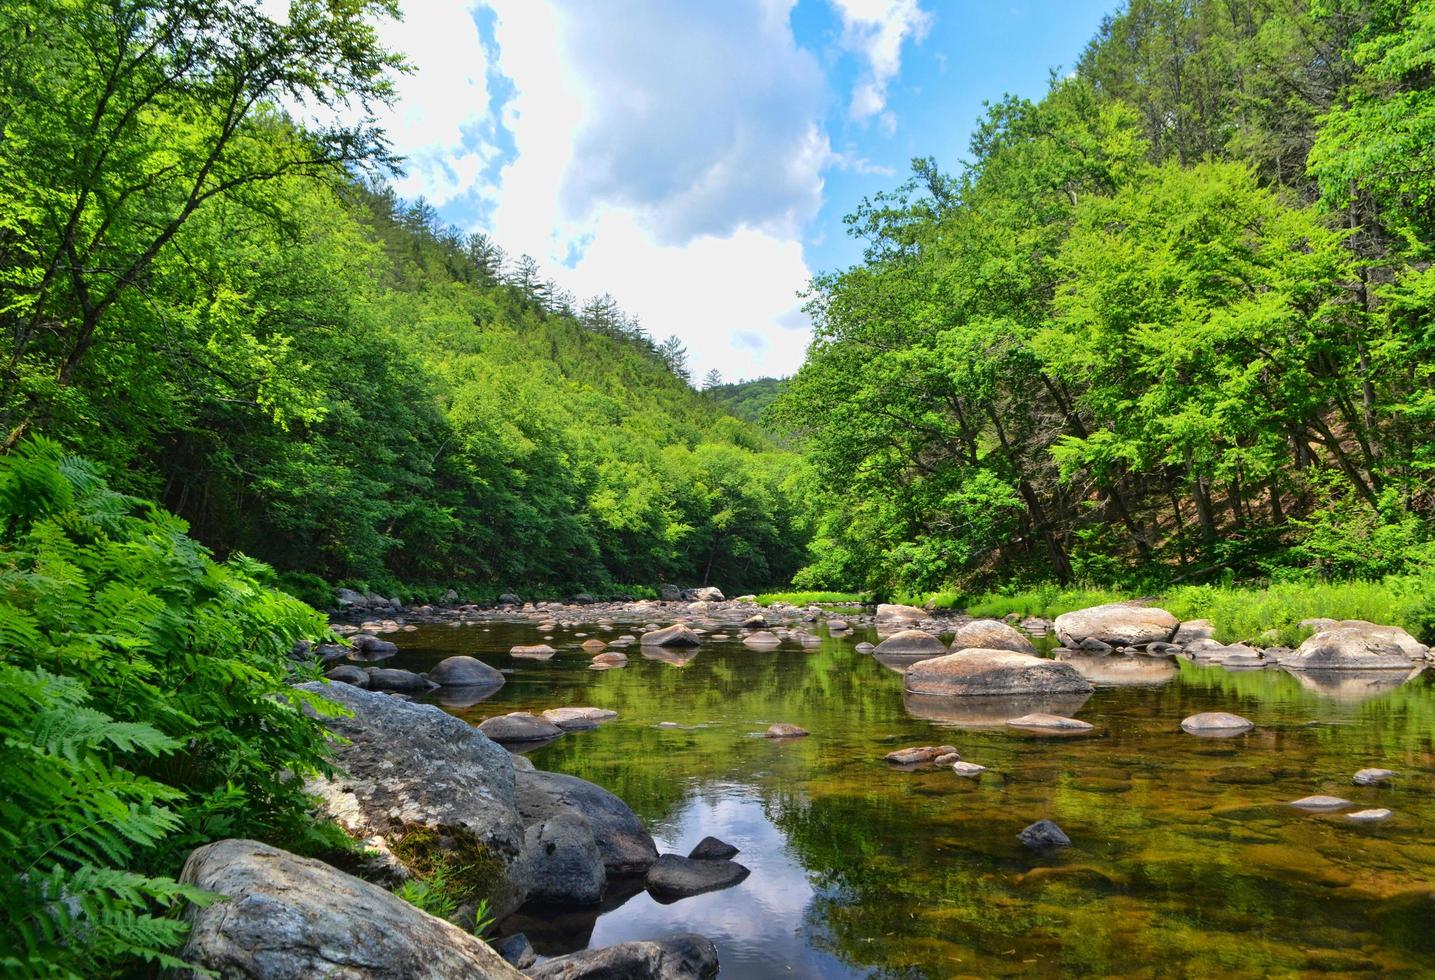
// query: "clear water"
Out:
[1185,859]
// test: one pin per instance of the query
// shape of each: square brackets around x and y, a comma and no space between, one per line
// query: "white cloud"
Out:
[875,30]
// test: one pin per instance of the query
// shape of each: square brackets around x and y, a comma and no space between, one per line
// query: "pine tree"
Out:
[675,356]
[712,379]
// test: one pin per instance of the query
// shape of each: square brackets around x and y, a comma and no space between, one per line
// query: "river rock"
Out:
[609,660]
[577,719]
[348,597]
[762,640]
[784,730]
[1116,624]
[624,844]
[917,755]
[864,647]
[1320,803]
[519,726]
[1055,724]
[889,613]
[516,950]
[366,648]
[993,672]
[682,957]
[1374,777]
[465,672]
[393,679]
[673,877]
[1351,647]
[1216,723]
[290,918]
[912,643]
[349,674]
[990,634]
[712,849]
[676,635]
[533,651]
[1043,835]
[1369,816]
[594,646]
[330,652]
[968,770]
[561,863]
[509,599]
[708,593]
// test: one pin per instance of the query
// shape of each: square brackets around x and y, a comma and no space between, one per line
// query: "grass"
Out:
[1046,601]
[807,598]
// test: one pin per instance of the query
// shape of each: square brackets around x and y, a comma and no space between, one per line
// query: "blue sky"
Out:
[696,158]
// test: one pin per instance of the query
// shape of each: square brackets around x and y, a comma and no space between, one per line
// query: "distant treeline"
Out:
[1173,321]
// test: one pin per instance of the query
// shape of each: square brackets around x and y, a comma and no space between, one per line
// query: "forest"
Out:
[1172,322]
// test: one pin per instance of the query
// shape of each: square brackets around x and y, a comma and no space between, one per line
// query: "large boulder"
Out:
[993,673]
[394,679]
[519,726]
[465,672]
[366,648]
[626,847]
[670,593]
[990,634]
[912,643]
[1352,645]
[284,917]
[891,613]
[708,593]
[673,876]
[676,635]
[348,597]
[410,767]
[681,957]
[1117,624]
[561,862]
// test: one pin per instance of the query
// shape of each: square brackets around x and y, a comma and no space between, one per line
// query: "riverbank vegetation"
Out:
[1169,324]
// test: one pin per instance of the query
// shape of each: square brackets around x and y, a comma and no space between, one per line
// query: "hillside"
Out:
[748,400]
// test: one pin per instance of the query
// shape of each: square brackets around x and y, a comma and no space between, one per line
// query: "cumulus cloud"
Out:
[875,31]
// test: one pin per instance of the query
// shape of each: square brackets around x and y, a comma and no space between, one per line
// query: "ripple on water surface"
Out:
[1184,851]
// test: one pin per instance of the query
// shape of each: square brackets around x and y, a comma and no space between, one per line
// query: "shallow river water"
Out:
[1185,858]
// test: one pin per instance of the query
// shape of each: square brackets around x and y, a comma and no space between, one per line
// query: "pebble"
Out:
[1373,777]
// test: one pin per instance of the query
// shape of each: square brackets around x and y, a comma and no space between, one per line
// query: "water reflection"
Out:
[989,712]
[1353,685]
[1123,670]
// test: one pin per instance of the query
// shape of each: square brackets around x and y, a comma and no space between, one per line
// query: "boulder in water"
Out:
[676,635]
[1352,646]
[889,613]
[1116,624]
[918,755]
[1320,803]
[625,846]
[712,849]
[465,672]
[1043,835]
[576,719]
[1050,724]
[912,643]
[1219,723]
[784,730]
[673,877]
[990,634]
[519,726]
[1374,777]
[682,957]
[561,863]
[993,672]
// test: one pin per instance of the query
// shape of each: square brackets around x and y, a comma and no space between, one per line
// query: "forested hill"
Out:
[747,400]
[314,373]
[1172,320]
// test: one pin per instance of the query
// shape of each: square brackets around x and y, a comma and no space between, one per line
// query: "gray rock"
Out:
[348,674]
[838,626]
[609,660]
[671,593]
[917,755]
[683,957]
[676,635]
[1092,645]
[509,599]
[1116,624]
[1374,777]
[707,593]
[533,651]
[673,877]
[1051,724]
[1043,835]
[366,648]
[561,863]
[1369,816]
[969,770]
[990,634]
[292,918]
[864,647]
[519,726]
[624,844]
[348,597]
[755,622]
[912,643]
[465,672]
[578,719]
[889,613]
[784,730]
[1353,646]
[393,679]
[712,849]
[408,765]
[1320,803]
[993,673]
[516,950]
[1219,723]
[1195,629]
[762,640]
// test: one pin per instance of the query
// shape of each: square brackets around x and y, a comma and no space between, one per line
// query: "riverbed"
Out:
[1185,861]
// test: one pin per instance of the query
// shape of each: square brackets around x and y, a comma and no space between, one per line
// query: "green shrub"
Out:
[146,710]
[308,588]
[806,598]
[1047,601]
[1248,613]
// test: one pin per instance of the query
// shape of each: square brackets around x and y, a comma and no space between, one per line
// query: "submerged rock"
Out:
[673,877]
[1043,835]
[534,651]
[577,719]
[993,672]
[864,647]
[991,711]
[349,674]
[607,661]
[516,950]
[1320,803]
[912,643]
[1054,724]
[1218,723]
[784,730]
[682,957]
[676,635]
[1374,777]
[1117,624]
[921,755]
[762,640]
[1369,816]
[712,849]
[990,634]
[366,648]
[288,918]
[465,672]
[519,726]
[393,679]
[969,770]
